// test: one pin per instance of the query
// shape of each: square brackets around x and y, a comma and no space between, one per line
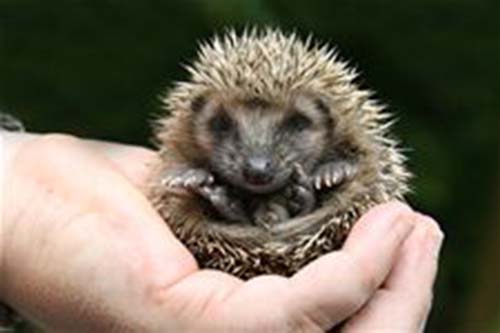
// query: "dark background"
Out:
[96,68]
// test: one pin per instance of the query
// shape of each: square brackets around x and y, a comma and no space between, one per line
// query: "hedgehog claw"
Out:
[187,178]
[333,173]
[328,181]
[317,183]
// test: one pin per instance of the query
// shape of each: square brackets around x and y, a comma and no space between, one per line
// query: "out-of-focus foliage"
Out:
[96,69]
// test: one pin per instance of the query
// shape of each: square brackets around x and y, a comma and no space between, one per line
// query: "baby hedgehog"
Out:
[269,154]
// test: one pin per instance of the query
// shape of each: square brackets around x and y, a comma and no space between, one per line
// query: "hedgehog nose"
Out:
[258,171]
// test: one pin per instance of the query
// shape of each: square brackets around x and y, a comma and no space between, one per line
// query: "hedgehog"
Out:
[270,152]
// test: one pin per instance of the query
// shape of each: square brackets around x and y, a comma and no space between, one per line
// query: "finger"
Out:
[336,285]
[405,301]
[133,161]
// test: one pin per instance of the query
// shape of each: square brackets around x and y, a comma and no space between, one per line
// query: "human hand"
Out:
[84,251]
[403,302]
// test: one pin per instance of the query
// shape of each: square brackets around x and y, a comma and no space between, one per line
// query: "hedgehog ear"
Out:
[322,105]
[198,103]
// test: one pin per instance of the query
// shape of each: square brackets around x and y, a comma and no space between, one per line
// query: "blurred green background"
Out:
[96,68]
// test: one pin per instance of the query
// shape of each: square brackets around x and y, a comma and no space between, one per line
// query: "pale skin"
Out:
[83,250]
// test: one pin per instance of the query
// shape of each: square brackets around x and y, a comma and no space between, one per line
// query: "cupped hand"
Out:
[84,250]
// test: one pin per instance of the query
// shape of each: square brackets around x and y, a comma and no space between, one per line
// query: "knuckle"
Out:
[367,282]
[394,211]
[363,282]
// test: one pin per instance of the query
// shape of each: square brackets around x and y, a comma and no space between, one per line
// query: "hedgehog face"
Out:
[254,144]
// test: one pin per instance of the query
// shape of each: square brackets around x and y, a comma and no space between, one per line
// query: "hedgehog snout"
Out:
[258,170]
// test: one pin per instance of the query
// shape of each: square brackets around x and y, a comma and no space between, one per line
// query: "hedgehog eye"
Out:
[198,103]
[221,123]
[297,122]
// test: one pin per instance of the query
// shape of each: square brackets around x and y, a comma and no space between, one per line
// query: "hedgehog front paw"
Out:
[300,194]
[187,178]
[227,207]
[333,174]
[301,200]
